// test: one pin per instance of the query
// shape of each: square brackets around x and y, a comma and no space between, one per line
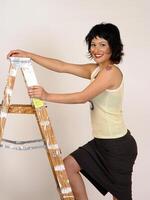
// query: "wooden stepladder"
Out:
[38,108]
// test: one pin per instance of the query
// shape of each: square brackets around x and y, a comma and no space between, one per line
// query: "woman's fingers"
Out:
[36,91]
[17,53]
[12,53]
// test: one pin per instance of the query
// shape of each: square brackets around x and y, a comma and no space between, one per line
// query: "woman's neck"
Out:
[106,64]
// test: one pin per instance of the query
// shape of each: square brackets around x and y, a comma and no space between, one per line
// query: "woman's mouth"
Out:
[98,55]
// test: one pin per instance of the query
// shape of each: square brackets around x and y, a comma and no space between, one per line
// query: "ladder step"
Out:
[20,109]
[21,145]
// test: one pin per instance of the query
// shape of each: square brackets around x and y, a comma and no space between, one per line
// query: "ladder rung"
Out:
[20,109]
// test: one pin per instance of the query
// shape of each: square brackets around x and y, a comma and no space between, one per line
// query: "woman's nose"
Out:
[97,50]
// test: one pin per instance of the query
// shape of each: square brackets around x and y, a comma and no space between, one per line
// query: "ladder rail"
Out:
[7,97]
[53,151]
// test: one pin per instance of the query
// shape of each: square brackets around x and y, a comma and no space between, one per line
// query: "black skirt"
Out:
[108,164]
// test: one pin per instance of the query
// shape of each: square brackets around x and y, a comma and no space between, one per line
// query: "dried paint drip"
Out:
[9,91]
[53,146]
[66,190]
[13,72]
[3,114]
[44,123]
[59,168]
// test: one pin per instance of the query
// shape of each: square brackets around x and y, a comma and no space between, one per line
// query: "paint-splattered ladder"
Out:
[38,108]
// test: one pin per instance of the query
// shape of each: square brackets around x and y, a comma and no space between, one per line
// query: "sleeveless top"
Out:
[106,114]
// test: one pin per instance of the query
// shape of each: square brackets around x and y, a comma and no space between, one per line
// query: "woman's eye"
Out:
[93,45]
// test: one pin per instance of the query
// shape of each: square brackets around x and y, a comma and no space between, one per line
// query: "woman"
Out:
[107,160]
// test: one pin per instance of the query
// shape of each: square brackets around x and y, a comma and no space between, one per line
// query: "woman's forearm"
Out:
[72,98]
[69,98]
[49,63]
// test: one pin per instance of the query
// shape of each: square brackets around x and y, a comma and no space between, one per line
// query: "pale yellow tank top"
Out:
[106,115]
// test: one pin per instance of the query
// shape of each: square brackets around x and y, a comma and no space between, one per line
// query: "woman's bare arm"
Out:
[83,70]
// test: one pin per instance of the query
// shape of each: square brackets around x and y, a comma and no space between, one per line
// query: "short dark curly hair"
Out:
[111,33]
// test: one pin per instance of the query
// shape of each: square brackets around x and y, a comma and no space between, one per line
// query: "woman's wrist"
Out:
[46,96]
[30,55]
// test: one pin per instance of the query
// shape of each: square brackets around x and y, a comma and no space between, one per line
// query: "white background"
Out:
[57,29]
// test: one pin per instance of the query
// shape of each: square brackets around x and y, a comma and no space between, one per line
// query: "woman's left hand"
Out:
[37,92]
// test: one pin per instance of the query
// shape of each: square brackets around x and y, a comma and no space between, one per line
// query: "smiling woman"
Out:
[109,37]
[107,160]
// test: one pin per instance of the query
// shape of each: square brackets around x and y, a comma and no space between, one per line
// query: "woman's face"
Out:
[100,51]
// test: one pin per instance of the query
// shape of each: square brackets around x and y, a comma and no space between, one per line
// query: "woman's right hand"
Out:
[19,53]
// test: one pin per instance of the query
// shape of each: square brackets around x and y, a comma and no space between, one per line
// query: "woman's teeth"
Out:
[98,56]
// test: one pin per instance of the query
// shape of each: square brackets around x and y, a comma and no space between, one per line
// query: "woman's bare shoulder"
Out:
[115,69]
